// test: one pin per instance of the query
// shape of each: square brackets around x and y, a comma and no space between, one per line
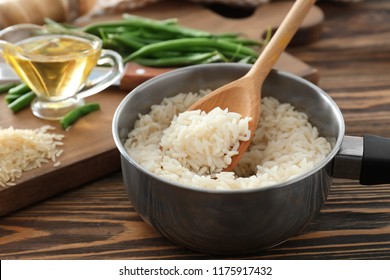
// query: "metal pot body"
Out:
[228,222]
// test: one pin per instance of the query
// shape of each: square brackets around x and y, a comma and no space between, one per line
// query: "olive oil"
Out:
[53,66]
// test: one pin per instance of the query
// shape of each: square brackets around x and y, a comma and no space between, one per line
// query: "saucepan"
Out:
[243,221]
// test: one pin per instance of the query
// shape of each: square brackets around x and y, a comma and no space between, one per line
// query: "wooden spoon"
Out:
[243,96]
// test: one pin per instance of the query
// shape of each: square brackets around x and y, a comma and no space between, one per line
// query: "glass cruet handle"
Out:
[115,73]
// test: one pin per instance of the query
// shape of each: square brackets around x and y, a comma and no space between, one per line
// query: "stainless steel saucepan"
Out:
[243,221]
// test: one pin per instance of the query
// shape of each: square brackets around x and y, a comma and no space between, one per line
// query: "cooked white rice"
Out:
[205,143]
[284,145]
[26,149]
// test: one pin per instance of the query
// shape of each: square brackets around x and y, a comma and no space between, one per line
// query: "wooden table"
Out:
[97,221]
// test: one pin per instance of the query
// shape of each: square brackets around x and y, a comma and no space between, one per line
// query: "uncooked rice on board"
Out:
[26,149]
[284,145]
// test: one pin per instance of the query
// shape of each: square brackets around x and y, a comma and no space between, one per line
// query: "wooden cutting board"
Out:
[89,150]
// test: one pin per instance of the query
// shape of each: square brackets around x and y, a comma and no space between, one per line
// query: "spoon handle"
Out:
[281,38]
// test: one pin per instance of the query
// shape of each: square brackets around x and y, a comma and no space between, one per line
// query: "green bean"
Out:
[19,89]
[155,42]
[9,98]
[178,61]
[109,43]
[231,55]
[218,57]
[147,41]
[153,25]
[163,26]
[119,30]
[107,25]
[6,87]
[228,56]
[182,44]
[132,33]
[235,56]
[128,41]
[138,36]
[247,60]
[77,113]
[22,102]
[16,92]
[245,42]
[152,34]
[197,49]
[167,54]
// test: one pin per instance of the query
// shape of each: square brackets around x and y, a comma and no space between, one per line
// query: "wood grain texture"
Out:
[98,222]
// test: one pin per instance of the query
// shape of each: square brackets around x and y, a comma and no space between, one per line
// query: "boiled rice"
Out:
[26,149]
[284,146]
[205,143]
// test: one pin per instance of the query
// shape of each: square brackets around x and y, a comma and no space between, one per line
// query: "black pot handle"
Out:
[366,159]
[376,160]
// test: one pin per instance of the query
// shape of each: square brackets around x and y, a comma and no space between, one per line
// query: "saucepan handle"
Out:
[364,158]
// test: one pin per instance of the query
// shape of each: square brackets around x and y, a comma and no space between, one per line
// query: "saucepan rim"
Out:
[120,145]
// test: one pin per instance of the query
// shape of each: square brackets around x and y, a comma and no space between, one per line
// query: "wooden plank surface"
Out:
[89,151]
[97,221]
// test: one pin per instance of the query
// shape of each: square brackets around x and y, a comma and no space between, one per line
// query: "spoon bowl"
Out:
[242,95]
